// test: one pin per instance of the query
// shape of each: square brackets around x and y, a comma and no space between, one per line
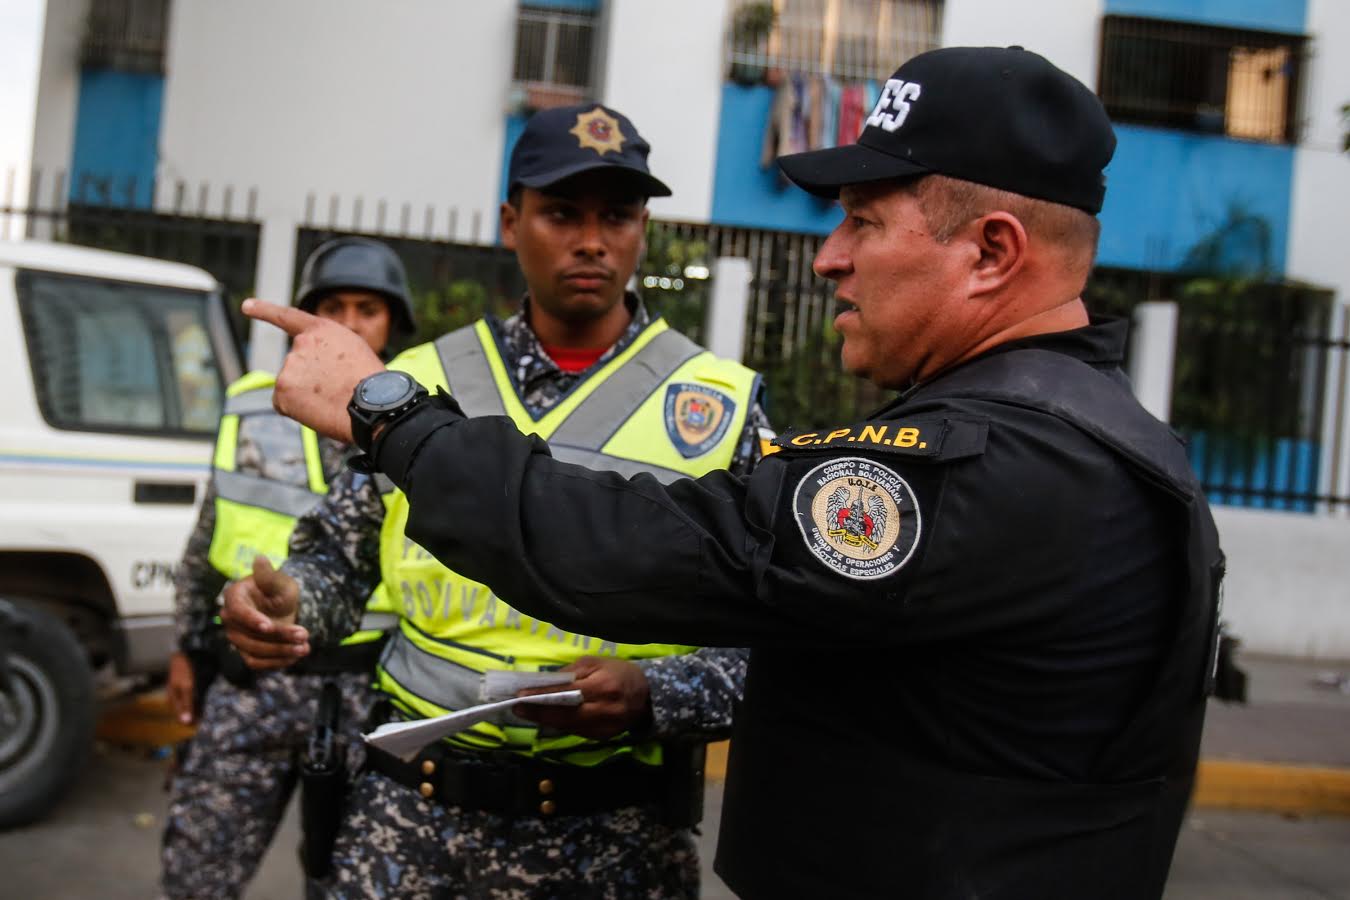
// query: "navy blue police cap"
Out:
[568,140]
[1002,117]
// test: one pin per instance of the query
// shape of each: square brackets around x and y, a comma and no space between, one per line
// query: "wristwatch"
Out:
[380,399]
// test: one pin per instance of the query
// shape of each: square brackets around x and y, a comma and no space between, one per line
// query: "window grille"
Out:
[1243,84]
[554,56]
[127,35]
[851,40]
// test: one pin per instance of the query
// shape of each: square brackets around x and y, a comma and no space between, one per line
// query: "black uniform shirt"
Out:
[981,585]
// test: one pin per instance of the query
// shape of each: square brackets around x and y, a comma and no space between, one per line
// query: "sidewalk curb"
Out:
[141,721]
[1223,784]
[1272,787]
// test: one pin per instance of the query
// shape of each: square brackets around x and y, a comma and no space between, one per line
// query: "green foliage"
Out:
[752,23]
[1345,122]
[669,253]
[1245,349]
[444,308]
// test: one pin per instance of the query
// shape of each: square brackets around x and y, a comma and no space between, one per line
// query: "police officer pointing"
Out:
[981,619]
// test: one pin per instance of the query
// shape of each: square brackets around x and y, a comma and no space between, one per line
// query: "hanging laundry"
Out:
[798,141]
[815,110]
[779,126]
[829,113]
[851,115]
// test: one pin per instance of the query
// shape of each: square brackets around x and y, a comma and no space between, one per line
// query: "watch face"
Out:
[385,388]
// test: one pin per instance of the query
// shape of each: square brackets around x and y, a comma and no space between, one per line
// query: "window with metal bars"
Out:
[126,35]
[1229,81]
[554,56]
[851,40]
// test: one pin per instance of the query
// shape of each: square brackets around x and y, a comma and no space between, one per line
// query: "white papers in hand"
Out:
[502,684]
[405,739]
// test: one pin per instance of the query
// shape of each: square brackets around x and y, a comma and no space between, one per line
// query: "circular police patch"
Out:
[857,517]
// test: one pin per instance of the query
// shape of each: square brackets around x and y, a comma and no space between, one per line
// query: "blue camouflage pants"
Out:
[395,844]
[229,796]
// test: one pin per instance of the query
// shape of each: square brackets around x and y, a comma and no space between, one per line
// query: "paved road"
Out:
[103,843]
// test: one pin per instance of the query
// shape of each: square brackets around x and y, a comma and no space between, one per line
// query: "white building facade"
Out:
[375,116]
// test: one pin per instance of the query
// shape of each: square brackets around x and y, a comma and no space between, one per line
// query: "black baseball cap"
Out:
[568,140]
[1002,117]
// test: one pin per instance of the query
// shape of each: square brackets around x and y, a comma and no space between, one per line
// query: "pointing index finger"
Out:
[287,318]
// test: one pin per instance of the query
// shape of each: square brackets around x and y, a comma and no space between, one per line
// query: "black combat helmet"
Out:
[358,264]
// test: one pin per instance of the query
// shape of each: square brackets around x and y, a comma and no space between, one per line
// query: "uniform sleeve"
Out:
[197,584]
[335,556]
[626,559]
[695,694]
[897,533]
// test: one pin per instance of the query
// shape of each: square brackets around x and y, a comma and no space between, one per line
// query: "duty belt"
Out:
[341,658]
[517,786]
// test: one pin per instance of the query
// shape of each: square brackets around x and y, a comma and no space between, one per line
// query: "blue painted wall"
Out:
[1260,15]
[747,195]
[116,137]
[515,124]
[1167,190]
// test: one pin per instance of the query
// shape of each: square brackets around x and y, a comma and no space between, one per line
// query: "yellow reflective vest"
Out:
[256,514]
[662,406]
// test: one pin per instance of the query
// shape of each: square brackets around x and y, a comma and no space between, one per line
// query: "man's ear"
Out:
[1002,242]
[509,215]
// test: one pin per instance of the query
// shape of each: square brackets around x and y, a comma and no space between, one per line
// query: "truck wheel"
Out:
[46,715]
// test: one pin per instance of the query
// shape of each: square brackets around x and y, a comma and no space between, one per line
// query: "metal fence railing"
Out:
[1261,388]
[789,338]
[456,271]
[217,230]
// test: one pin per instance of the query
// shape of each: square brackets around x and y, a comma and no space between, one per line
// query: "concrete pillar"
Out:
[1152,355]
[724,321]
[276,268]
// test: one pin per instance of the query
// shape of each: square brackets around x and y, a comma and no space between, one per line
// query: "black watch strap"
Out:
[381,399]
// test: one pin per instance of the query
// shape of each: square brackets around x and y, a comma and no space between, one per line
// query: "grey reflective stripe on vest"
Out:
[440,681]
[468,373]
[590,426]
[594,421]
[286,499]
[383,483]
[249,402]
[378,621]
[600,462]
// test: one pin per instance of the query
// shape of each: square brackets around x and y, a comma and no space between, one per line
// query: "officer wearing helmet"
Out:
[229,793]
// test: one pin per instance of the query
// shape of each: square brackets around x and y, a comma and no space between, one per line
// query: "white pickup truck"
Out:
[113,370]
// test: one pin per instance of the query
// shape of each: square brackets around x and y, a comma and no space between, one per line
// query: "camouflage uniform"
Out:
[241,768]
[394,843]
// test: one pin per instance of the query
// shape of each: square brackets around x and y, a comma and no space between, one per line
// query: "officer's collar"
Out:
[1100,343]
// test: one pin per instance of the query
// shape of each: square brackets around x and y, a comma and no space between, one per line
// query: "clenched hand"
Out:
[259,618]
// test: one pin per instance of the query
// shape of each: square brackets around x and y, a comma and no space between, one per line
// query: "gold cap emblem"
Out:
[598,131]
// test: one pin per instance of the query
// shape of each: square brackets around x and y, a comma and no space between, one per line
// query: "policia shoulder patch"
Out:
[857,517]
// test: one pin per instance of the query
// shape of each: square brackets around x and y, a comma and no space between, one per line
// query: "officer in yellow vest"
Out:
[596,801]
[231,789]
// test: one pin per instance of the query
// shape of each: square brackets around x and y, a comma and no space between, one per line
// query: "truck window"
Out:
[120,357]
